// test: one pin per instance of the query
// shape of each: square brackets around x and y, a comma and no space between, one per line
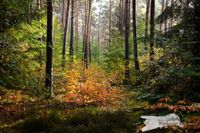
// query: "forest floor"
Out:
[89,102]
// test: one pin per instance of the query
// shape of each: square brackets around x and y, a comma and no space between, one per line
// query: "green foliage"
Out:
[113,58]
[171,73]
[23,54]
[176,72]
[14,12]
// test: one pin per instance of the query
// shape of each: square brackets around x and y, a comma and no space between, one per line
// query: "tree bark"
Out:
[196,36]
[171,21]
[85,33]
[49,49]
[89,38]
[71,48]
[76,27]
[166,4]
[121,16]
[162,9]
[110,19]
[63,12]
[98,38]
[127,29]
[137,68]
[152,15]
[65,35]
[146,25]
[86,53]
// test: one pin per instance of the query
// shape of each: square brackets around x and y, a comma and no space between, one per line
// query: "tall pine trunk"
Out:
[171,20]
[127,28]
[89,39]
[166,4]
[110,18]
[137,68]
[71,47]
[76,26]
[84,34]
[146,25]
[162,9]
[63,13]
[98,37]
[121,16]
[196,52]
[65,35]
[152,15]
[49,49]
[86,51]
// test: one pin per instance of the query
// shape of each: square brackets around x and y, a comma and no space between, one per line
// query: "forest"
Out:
[99,66]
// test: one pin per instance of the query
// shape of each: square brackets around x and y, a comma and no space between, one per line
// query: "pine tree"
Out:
[65,35]
[137,68]
[127,28]
[71,47]
[152,15]
[49,49]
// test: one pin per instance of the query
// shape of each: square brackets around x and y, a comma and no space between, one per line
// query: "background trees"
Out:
[100,32]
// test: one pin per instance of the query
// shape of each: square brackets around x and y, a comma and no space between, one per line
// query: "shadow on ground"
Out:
[82,120]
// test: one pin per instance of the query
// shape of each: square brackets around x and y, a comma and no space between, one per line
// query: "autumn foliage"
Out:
[178,106]
[91,87]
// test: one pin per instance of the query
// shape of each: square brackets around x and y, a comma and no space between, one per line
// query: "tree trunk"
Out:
[98,38]
[89,38]
[121,16]
[171,21]
[166,4]
[137,68]
[152,15]
[86,36]
[76,27]
[65,35]
[90,52]
[63,13]
[196,45]
[146,25]
[71,48]
[127,28]
[163,5]
[49,49]
[110,17]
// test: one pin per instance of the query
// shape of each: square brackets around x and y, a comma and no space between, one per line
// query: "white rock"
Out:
[154,122]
